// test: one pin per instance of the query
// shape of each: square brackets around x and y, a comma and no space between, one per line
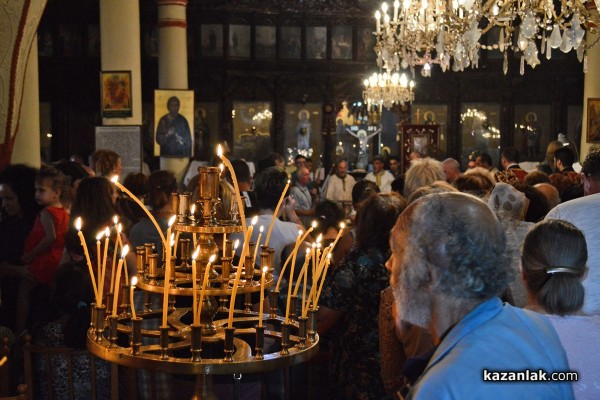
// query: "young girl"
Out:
[44,244]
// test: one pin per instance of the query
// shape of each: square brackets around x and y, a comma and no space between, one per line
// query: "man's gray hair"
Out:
[452,163]
[423,172]
[457,236]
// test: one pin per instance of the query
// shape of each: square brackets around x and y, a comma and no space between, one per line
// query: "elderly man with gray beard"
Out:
[449,263]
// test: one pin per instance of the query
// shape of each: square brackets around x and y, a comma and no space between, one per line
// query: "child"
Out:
[44,244]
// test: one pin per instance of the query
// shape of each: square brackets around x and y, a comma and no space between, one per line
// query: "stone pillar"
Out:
[27,141]
[19,103]
[120,50]
[591,88]
[172,62]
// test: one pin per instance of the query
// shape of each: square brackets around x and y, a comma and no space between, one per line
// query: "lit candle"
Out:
[291,280]
[302,272]
[87,257]
[291,256]
[99,260]
[204,285]
[176,244]
[257,243]
[262,295]
[323,279]
[235,246]
[313,288]
[101,279]
[377,19]
[131,289]
[115,180]
[194,285]
[114,260]
[238,196]
[167,274]
[276,212]
[339,235]
[238,273]
[285,264]
[118,278]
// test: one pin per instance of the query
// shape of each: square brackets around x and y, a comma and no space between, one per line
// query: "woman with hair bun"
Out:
[553,262]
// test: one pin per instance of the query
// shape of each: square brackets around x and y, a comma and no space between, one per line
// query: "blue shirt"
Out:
[495,337]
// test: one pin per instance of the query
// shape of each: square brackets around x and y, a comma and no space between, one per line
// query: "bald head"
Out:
[550,192]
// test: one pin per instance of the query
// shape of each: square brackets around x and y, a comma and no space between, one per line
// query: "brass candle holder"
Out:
[152,268]
[293,306]
[228,346]
[112,331]
[312,325]
[285,339]
[136,335]
[196,343]
[99,325]
[164,342]
[140,259]
[259,343]
[184,246]
[274,302]
[302,323]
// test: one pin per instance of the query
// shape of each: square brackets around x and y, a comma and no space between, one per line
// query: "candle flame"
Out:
[307,251]
[196,252]
[342,225]
[78,223]
[300,232]
[254,220]
[114,179]
[116,219]
[107,232]
[119,228]
[314,245]
[134,281]
[262,228]
[219,151]
[212,259]
[314,224]
[172,220]
[236,243]
[125,251]
[99,235]
[265,269]
[193,209]
[319,238]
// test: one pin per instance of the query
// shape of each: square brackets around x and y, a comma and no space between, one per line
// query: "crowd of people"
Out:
[443,282]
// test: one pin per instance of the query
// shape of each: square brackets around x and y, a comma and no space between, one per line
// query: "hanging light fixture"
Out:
[384,89]
[452,32]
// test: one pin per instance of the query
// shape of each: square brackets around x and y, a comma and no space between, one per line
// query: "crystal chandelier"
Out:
[385,89]
[452,32]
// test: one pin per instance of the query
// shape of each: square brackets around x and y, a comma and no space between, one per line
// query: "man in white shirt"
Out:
[338,186]
[380,176]
[584,213]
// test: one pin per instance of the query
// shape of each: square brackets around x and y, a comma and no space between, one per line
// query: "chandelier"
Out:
[385,89]
[452,32]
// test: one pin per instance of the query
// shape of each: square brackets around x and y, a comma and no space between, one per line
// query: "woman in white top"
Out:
[553,265]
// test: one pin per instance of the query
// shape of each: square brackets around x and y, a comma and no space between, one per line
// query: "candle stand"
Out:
[210,348]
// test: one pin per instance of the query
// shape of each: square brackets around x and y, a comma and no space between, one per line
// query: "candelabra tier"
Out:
[177,357]
[218,285]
